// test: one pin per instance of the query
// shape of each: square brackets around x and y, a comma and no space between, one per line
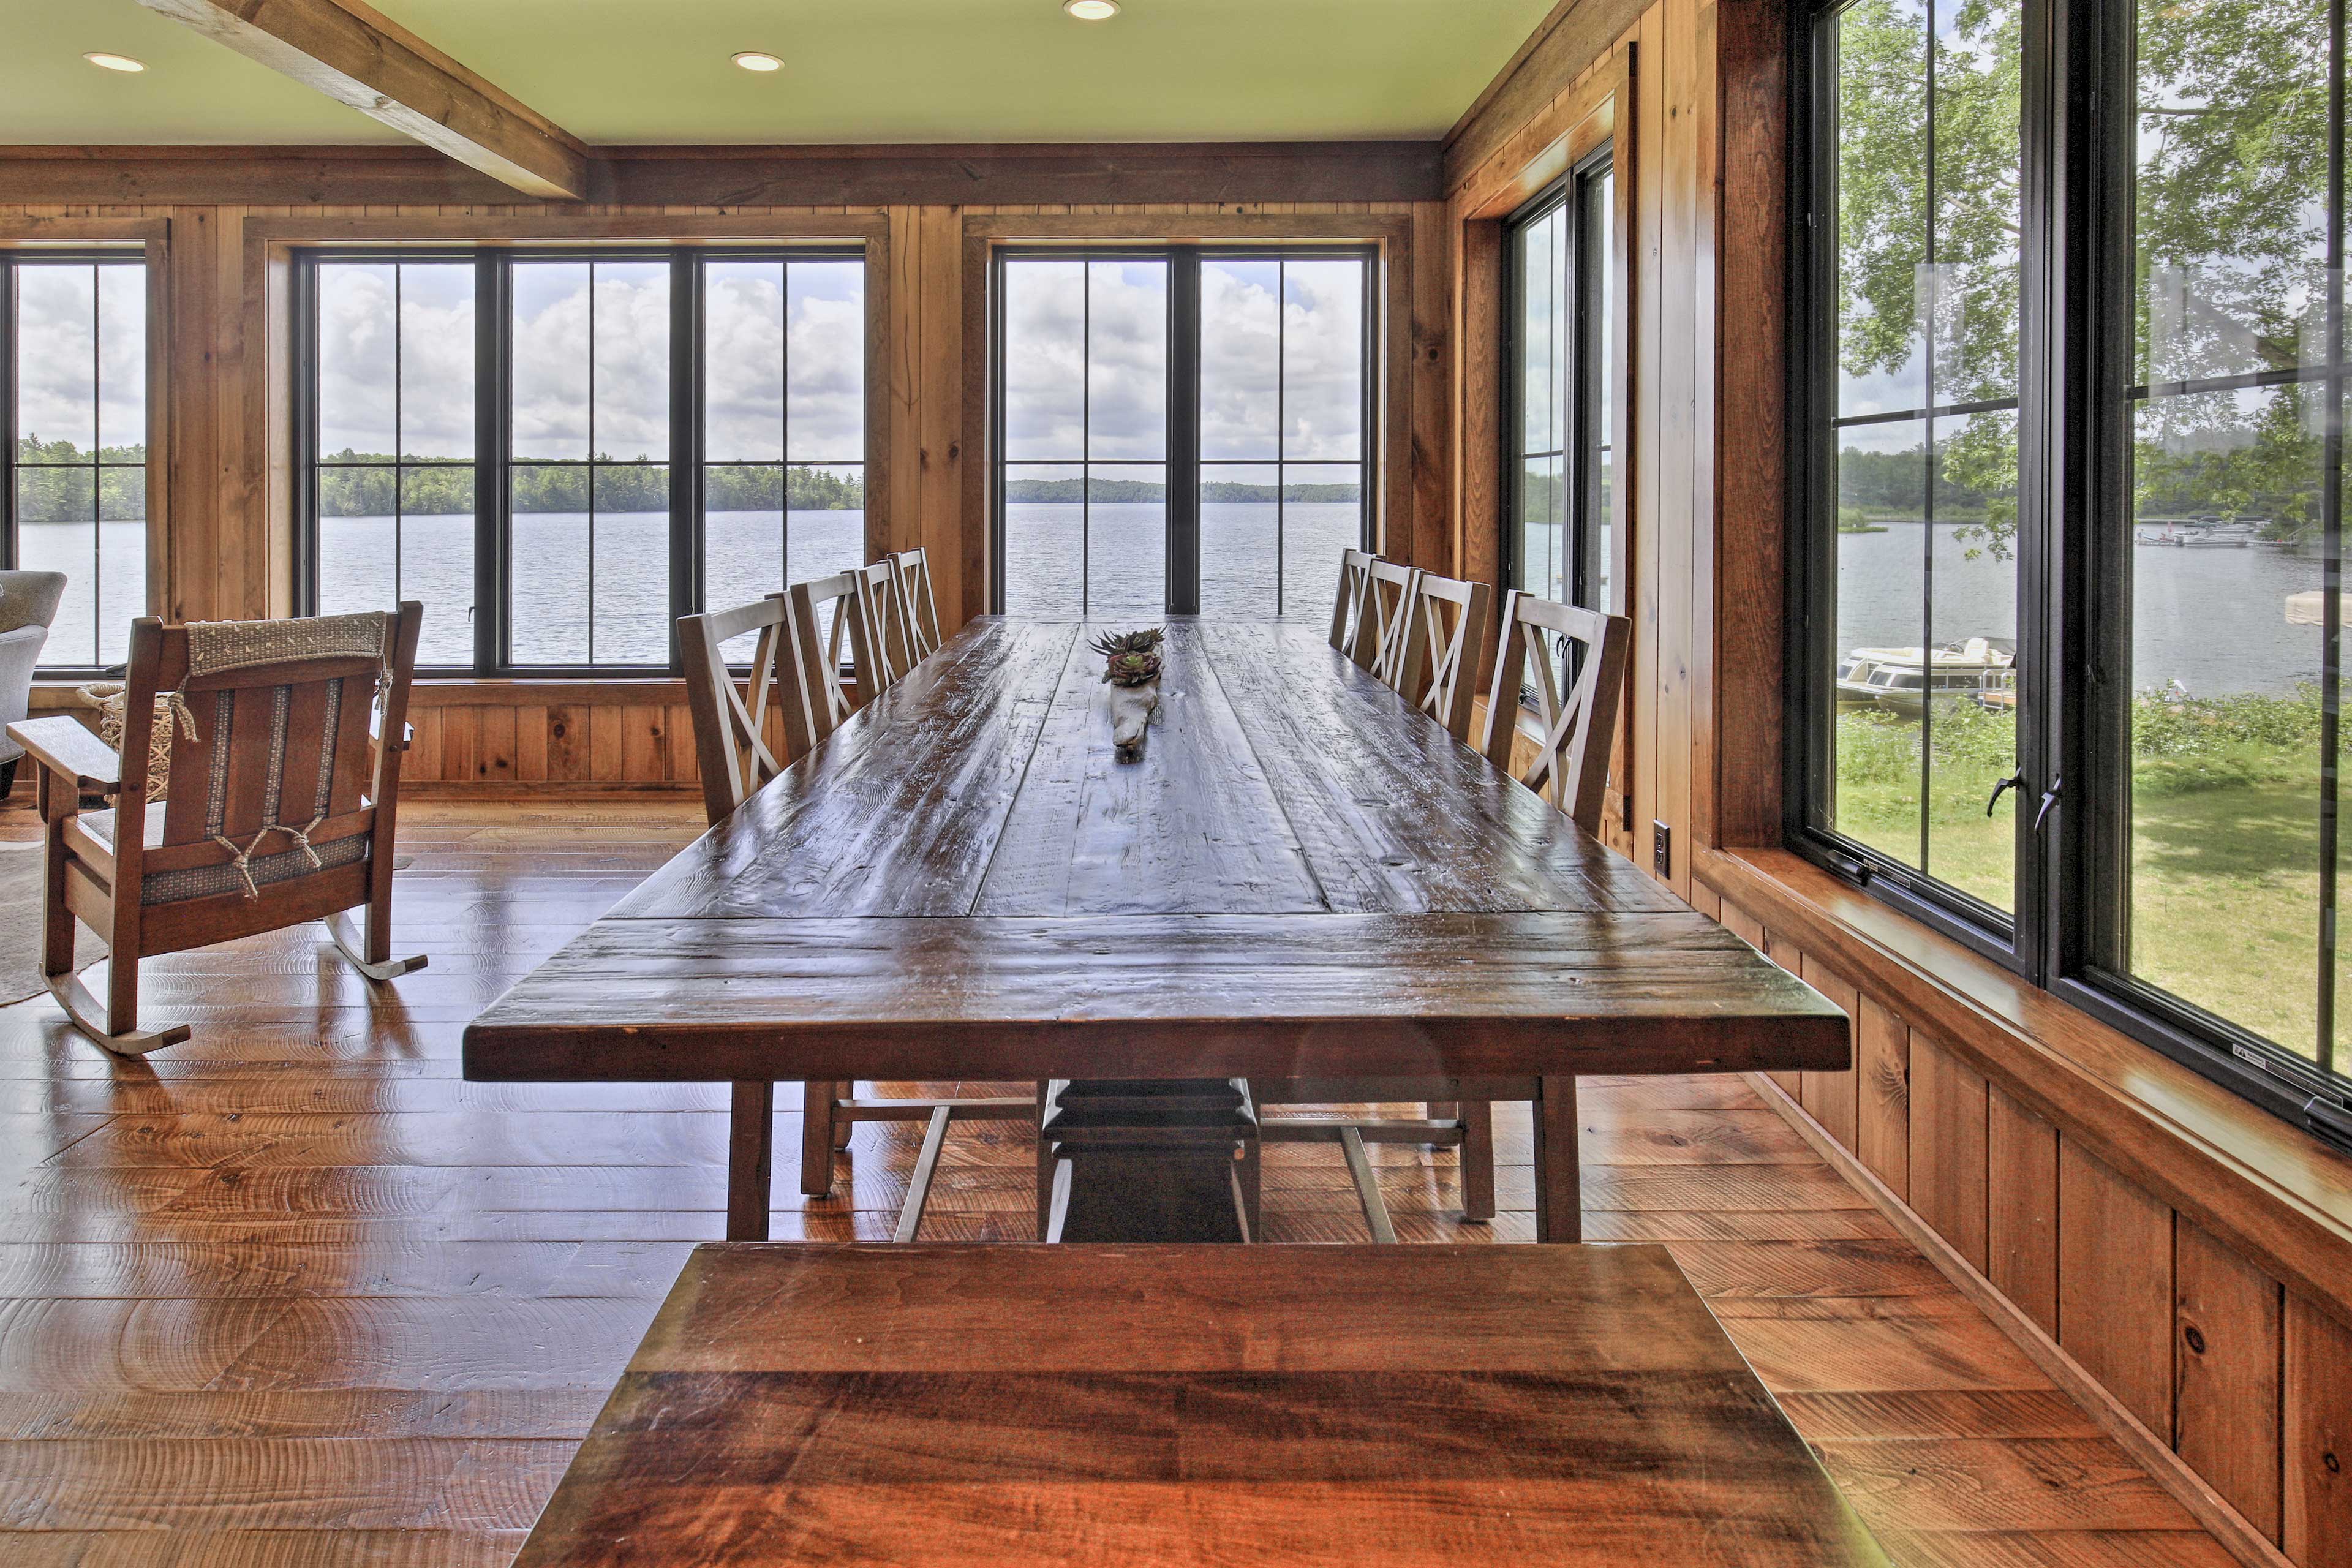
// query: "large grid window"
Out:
[1181,430]
[73,376]
[2070,611]
[1919,458]
[559,453]
[2221,869]
[1560,462]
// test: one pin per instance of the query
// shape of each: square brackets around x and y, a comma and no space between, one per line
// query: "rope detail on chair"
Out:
[215,646]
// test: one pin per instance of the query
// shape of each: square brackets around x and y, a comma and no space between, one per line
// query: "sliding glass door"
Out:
[1181,430]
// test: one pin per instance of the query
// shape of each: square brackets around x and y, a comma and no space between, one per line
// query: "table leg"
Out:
[1477,1162]
[816,1136]
[750,1150]
[1559,1199]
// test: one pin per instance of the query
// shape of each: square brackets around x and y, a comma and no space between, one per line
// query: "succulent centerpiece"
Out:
[1130,658]
[1131,665]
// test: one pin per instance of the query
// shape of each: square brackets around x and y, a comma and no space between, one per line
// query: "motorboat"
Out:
[1981,669]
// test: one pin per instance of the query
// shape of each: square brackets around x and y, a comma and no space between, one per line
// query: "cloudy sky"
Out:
[81,356]
[764,333]
[1087,359]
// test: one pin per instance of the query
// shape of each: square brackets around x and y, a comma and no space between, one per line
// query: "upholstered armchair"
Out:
[28,602]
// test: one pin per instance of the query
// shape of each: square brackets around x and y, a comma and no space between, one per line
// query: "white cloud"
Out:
[1315,333]
[76,322]
[431,359]
[751,352]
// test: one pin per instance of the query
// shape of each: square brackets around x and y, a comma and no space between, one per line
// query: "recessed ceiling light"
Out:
[105,61]
[753,60]
[1091,10]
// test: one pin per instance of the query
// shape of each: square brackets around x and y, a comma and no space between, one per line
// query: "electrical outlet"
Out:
[1662,850]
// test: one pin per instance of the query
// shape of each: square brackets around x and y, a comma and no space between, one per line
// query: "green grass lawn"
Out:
[2225,858]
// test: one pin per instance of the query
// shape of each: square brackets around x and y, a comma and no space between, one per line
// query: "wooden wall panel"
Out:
[1947,1147]
[2317,1518]
[2021,1208]
[2229,1338]
[1882,1095]
[2114,1284]
[1832,1097]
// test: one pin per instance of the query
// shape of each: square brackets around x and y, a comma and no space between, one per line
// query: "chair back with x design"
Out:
[819,643]
[1571,767]
[1381,625]
[1347,608]
[916,608]
[880,651]
[739,734]
[1445,624]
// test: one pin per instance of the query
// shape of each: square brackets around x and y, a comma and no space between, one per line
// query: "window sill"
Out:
[2280,1194]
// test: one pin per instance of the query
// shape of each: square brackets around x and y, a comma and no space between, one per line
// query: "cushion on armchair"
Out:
[28,602]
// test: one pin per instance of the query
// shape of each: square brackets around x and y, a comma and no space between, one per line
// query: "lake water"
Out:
[1060,560]
[2212,619]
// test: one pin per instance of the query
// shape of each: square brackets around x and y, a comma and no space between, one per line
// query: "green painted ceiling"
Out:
[854,70]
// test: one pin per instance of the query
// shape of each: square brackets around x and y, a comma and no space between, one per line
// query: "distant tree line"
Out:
[1071,491]
[367,487]
[1897,482]
[62,494]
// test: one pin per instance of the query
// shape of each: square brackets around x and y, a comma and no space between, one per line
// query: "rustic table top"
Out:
[1301,878]
[1007,1404]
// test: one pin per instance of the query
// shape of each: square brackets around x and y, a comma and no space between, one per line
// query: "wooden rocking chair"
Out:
[280,806]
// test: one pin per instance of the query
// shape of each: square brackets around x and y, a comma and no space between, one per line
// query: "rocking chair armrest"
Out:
[61,744]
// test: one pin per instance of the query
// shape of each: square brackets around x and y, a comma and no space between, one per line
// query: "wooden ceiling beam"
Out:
[1234,175]
[368,62]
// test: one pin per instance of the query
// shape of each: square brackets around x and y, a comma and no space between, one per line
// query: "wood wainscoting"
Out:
[554,735]
[2178,1260]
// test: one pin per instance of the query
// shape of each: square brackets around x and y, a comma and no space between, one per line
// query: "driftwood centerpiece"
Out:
[1131,668]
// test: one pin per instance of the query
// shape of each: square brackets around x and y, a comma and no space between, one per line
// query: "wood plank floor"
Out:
[293,1295]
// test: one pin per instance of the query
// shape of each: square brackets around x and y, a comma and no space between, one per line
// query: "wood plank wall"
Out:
[2247,1379]
[2248,1382]
[221,563]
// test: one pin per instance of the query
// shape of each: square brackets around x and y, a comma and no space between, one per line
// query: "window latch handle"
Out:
[2049,799]
[2014,781]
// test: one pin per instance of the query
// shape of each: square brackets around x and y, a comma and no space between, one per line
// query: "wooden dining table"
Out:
[1302,878]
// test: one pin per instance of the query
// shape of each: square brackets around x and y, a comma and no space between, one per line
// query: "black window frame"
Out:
[1182,462]
[2076,390]
[494,460]
[11,259]
[1580,470]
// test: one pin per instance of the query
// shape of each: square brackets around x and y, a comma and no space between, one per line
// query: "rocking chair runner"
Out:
[281,808]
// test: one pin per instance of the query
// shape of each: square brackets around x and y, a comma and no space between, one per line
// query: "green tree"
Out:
[2229,194]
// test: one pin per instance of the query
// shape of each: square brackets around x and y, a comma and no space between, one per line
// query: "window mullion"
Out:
[686,442]
[493,458]
[1182,479]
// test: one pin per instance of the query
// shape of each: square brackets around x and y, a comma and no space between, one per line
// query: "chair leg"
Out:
[1045,1168]
[751,1151]
[349,942]
[1478,1159]
[1368,1186]
[816,1137]
[8,777]
[1249,1179]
